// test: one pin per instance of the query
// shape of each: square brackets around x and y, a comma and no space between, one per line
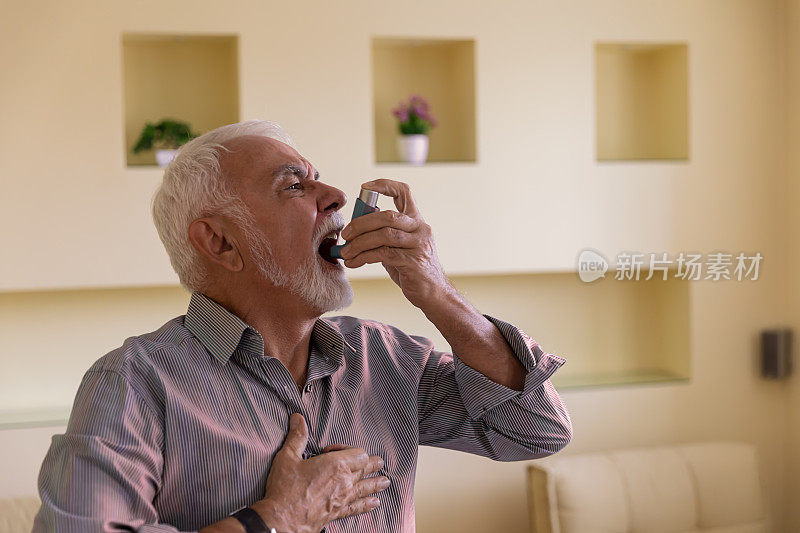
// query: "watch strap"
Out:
[252,521]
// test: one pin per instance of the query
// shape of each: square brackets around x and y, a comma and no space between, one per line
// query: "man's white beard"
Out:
[324,288]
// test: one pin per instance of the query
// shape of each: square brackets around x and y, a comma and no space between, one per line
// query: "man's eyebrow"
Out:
[288,168]
[292,168]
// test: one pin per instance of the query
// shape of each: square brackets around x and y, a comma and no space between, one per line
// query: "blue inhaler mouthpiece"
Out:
[367,202]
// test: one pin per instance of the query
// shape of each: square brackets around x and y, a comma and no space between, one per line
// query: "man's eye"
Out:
[298,183]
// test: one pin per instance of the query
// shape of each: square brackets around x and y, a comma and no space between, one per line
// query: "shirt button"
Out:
[309,388]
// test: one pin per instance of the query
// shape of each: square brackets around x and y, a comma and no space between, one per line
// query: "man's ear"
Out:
[213,240]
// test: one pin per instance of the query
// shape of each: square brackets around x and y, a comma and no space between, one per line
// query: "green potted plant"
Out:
[414,120]
[165,137]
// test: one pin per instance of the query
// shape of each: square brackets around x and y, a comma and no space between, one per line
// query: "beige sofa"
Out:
[701,487]
[16,514]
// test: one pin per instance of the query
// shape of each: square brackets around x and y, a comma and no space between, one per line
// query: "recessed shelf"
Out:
[192,78]
[642,101]
[610,332]
[442,71]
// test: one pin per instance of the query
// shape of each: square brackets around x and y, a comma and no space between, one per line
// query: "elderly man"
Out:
[251,412]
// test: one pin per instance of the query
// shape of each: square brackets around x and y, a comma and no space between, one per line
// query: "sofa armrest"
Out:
[539,500]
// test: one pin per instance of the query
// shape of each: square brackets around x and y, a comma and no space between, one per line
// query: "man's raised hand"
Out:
[401,241]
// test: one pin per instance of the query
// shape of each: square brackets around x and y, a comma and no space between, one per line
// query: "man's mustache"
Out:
[335,221]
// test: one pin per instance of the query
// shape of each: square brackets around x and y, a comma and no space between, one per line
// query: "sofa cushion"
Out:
[727,483]
[17,514]
[660,489]
[709,487]
[755,527]
[591,495]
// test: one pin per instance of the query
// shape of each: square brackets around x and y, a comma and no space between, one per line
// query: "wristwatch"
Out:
[252,521]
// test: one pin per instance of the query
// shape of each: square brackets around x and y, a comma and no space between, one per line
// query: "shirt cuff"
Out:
[480,394]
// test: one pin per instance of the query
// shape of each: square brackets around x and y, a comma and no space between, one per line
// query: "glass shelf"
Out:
[585,381]
[34,418]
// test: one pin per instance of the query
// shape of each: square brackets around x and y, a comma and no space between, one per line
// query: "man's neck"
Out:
[284,321]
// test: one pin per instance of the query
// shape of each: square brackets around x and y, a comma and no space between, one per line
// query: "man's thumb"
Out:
[297,439]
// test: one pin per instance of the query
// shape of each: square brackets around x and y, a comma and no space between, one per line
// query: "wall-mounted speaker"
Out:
[776,353]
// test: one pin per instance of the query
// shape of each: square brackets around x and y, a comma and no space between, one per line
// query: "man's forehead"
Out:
[260,147]
[261,155]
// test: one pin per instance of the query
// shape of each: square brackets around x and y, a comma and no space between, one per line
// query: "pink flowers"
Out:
[401,113]
[415,116]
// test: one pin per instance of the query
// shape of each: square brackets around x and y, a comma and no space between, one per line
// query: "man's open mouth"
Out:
[328,242]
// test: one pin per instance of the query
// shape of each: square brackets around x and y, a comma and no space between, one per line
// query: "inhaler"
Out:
[367,202]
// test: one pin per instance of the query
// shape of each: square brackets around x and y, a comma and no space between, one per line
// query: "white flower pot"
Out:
[413,148]
[164,157]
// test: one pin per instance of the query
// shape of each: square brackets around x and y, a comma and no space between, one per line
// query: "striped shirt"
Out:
[177,428]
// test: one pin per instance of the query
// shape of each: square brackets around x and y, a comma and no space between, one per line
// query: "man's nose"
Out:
[331,199]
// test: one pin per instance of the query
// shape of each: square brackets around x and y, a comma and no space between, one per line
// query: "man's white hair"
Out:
[193,187]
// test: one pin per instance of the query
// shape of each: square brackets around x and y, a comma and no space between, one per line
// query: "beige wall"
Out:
[76,217]
[792,243]
[534,117]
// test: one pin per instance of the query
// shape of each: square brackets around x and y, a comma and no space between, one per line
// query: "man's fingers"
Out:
[398,190]
[384,237]
[370,466]
[377,220]
[297,439]
[374,464]
[358,461]
[359,506]
[334,447]
[371,485]
[389,256]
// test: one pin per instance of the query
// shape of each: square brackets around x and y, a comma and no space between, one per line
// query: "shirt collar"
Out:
[221,332]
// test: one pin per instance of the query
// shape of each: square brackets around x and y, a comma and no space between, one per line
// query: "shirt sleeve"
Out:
[462,409]
[103,473]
